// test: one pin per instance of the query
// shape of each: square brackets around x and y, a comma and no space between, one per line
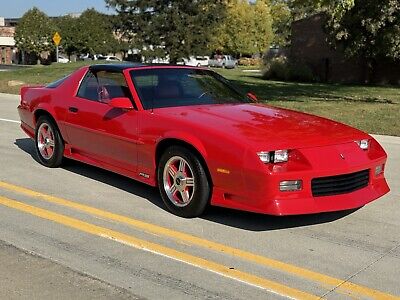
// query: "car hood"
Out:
[265,127]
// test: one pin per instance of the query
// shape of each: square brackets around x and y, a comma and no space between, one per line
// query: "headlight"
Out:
[363,144]
[277,156]
[281,156]
[265,157]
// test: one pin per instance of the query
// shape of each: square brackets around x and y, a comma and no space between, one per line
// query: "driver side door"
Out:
[98,131]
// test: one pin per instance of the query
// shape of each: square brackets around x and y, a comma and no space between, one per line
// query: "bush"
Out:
[281,68]
[301,72]
[277,69]
[246,61]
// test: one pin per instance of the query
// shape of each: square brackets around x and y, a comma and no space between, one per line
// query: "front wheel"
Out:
[183,183]
[48,143]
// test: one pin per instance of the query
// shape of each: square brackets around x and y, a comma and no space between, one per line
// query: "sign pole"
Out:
[57,40]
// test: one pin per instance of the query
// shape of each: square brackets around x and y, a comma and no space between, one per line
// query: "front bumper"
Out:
[261,191]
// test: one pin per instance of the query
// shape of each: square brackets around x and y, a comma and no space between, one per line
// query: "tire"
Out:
[183,182]
[49,144]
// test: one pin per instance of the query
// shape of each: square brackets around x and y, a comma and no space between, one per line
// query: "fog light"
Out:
[378,170]
[290,185]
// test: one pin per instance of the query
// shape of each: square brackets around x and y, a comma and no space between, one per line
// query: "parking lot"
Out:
[115,235]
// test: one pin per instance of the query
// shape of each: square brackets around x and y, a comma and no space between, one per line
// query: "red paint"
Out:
[227,137]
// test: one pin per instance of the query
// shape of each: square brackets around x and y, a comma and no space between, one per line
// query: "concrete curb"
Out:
[5,96]
[387,139]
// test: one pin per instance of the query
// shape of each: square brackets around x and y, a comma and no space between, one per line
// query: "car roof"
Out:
[119,67]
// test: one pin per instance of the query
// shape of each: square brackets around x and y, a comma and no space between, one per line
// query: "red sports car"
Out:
[190,132]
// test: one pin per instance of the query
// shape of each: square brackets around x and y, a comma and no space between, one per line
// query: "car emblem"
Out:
[342,156]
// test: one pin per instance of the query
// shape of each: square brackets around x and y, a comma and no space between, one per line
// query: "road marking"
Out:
[10,121]
[271,286]
[323,279]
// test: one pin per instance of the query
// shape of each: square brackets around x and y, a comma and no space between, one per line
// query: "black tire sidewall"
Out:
[56,159]
[202,192]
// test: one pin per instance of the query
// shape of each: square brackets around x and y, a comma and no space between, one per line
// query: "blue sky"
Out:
[16,8]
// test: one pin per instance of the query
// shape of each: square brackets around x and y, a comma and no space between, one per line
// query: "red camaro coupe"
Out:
[190,132]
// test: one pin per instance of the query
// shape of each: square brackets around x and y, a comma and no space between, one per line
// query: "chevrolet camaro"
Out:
[203,142]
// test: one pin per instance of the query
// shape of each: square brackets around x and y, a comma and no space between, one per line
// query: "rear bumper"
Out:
[28,130]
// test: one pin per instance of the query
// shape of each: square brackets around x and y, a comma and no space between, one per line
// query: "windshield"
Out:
[159,88]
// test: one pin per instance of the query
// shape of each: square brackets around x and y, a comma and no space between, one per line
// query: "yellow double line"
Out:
[341,285]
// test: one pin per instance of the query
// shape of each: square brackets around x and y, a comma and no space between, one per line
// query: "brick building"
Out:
[310,45]
[7,43]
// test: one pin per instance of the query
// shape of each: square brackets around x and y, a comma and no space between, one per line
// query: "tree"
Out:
[368,29]
[175,28]
[282,21]
[34,33]
[70,32]
[95,33]
[246,28]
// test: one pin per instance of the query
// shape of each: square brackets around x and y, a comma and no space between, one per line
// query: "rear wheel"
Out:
[48,143]
[183,182]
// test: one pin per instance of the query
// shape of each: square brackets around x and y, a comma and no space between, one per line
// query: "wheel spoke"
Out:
[49,151]
[189,182]
[182,165]
[185,196]
[172,171]
[173,189]
[51,143]
[46,133]
[41,137]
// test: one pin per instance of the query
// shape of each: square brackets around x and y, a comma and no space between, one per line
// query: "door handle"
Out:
[73,109]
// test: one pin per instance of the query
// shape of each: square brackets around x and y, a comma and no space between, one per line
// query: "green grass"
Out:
[369,108]
[35,75]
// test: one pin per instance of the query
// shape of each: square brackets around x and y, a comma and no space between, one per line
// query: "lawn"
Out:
[369,108]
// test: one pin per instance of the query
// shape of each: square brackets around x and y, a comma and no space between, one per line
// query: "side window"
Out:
[104,86]
[89,88]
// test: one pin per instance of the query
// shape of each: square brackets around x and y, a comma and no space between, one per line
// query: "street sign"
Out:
[57,39]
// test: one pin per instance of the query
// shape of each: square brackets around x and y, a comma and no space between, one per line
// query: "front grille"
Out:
[339,184]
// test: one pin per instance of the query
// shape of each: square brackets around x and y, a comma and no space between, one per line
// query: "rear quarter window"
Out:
[57,83]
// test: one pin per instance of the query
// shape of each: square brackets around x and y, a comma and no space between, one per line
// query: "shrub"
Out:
[301,72]
[277,69]
[281,68]
[246,61]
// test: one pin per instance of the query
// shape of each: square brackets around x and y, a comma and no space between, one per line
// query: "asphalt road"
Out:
[82,232]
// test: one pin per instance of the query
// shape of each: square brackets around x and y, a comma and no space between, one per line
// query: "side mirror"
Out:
[252,97]
[121,103]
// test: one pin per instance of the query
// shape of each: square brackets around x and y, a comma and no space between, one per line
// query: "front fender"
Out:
[187,138]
